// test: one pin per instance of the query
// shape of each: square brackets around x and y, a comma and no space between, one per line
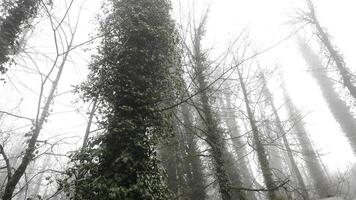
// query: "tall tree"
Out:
[324,38]
[11,26]
[238,145]
[41,118]
[315,169]
[224,168]
[260,149]
[283,135]
[337,106]
[132,79]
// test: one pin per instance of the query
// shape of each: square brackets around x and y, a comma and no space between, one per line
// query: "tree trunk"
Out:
[261,152]
[239,146]
[283,134]
[29,153]
[87,130]
[214,136]
[315,169]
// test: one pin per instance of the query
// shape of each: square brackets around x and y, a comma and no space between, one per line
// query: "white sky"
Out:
[266,22]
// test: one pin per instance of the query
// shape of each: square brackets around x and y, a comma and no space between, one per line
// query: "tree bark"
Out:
[261,152]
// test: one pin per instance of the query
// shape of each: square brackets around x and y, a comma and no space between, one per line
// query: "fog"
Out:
[207,110]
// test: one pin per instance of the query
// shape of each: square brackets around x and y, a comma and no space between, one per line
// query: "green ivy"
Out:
[131,77]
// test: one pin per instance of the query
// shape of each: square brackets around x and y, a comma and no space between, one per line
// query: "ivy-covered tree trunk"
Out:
[214,136]
[132,79]
[260,149]
[172,153]
[312,162]
[337,106]
[282,134]
[194,164]
[11,27]
[169,159]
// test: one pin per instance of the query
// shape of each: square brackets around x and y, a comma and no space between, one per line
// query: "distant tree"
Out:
[312,161]
[131,78]
[10,27]
[283,135]
[347,77]
[193,161]
[337,106]
[225,170]
[238,144]
[258,145]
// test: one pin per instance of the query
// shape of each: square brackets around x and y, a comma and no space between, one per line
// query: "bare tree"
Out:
[260,149]
[238,144]
[222,159]
[283,135]
[42,115]
[312,161]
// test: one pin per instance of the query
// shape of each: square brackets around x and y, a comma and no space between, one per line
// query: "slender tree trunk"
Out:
[29,153]
[283,134]
[87,130]
[239,146]
[274,152]
[312,161]
[338,107]
[261,152]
